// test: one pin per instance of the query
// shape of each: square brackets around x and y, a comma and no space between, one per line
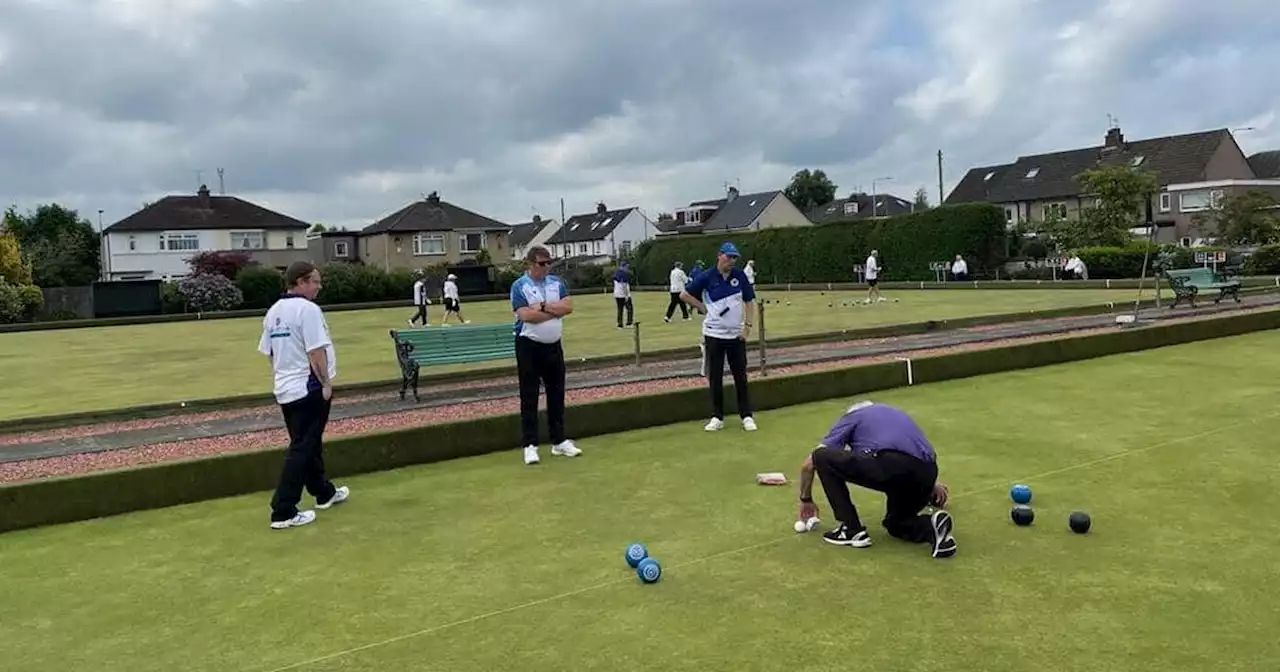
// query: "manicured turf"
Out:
[485,564]
[50,372]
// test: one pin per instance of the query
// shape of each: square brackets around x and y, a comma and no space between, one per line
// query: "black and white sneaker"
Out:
[944,545]
[843,536]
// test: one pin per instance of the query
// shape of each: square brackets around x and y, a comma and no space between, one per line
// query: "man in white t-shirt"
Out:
[872,271]
[295,337]
[452,304]
[675,284]
[420,300]
[622,294]
[960,269]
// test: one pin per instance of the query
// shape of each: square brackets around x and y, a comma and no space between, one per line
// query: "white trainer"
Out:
[531,455]
[749,424]
[715,425]
[299,519]
[566,449]
[340,495]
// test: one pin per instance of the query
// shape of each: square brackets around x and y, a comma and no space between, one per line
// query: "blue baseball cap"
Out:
[729,249]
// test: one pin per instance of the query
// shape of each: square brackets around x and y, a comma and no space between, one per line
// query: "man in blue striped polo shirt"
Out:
[727,298]
[878,446]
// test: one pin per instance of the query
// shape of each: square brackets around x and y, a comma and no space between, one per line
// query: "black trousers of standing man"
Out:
[304,462]
[906,480]
[421,315]
[540,364]
[675,301]
[734,350]
[624,303]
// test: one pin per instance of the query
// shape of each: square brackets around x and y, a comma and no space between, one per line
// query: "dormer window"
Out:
[988,177]
[1137,161]
[851,208]
[1033,172]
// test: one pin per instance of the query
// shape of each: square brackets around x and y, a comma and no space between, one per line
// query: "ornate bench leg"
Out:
[414,375]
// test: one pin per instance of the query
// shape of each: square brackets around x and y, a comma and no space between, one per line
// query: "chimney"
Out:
[1114,139]
[433,198]
[601,208]
[733,193]
[203,194]
[537,219]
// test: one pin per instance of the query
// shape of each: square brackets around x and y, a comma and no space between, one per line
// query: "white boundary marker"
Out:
[911,379]
[715,556]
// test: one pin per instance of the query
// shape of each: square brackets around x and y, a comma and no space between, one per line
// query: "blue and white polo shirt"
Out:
[527,292]
[725,299]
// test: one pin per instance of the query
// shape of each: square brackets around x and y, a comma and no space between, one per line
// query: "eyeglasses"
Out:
[544,262]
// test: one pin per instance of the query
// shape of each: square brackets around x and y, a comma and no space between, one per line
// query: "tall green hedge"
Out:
[828,252]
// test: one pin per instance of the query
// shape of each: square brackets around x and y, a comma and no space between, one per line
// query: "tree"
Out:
[13,267]
[62,248]
[317,228]
[1247,218]
[922,199]
[227,264]
[810,189]
[1122,193]
[210,292]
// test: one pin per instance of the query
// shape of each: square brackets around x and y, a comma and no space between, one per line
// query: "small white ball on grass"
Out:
[800,526]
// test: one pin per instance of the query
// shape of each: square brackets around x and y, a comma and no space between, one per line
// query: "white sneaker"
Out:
[530,454]
[340,495]
[715,425]
[301,518]
[566,449]
[749,424]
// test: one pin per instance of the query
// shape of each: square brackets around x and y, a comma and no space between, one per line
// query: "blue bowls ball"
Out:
[649,570]
[635,553]
[1020,493]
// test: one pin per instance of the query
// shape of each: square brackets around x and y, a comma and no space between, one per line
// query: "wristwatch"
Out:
[542,307]
[806,500]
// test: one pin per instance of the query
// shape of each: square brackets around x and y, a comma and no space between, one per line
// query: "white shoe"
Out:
[340,495]
[566,449]
[531,455]
[749,424]
[715,425]
[300,518]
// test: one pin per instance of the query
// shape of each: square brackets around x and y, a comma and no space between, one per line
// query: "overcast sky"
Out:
[342,111]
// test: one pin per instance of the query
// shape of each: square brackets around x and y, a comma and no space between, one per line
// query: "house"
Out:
[432,231]
[601,235]
[527,234]
[861,206]
[735,212]
[328,247]
[1266,165]
[1185,167]
[156,241]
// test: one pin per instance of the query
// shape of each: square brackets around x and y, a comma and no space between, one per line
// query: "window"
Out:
[1137,161]
[340,249]
[1008,215]
[582,248]
[851,208]
[1055,209]
[691,217]
[428,243]
[133,243]
[471,242]
[625,248]
[1032,173]
[179,242]
[248,240]
[597,248]
[288,241]
[988,176]
[1185,242]
[1166,202]
[1215,199]
[1193,201]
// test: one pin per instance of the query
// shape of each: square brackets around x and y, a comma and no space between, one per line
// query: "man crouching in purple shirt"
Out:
[878,446]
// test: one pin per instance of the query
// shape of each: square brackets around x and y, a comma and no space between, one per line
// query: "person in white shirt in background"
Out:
[420,300]
[622,294]
[452,305]
[676,284]
[750,272]
[1075,266]
[960,269]
[872,271]
[295,337]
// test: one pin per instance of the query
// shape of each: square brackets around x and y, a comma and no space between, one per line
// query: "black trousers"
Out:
[304,462]
[907,482]
[628,306]
[540,364]
[421,315]
[734,350]
[675,301]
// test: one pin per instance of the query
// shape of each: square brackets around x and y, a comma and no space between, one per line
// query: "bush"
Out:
[507,275]
[828,252]
[259,285]
[19,303]
[171,299]
[1265,261]
[210,292]
[226,264]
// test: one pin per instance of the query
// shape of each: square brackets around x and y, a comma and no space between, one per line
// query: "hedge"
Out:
[68,499]
[828,252]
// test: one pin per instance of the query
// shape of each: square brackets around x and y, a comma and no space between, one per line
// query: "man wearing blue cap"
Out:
[726,298]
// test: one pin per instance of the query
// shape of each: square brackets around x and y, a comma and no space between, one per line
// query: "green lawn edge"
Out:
[107,493]
[426,380]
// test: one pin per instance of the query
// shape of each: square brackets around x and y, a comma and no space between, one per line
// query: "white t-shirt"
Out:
[750,272]
[292,328]
[678,281]
[959,266]
[420,293]
[872,268]
[450,290]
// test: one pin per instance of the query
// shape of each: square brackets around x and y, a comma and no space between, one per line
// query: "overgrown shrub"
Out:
[828,252]
[19,303]
[259,285]
[171,299]
[210,292]
[228,264]
[1265,261]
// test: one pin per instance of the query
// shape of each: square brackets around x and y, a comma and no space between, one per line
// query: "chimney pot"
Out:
[203,194]
[601,208]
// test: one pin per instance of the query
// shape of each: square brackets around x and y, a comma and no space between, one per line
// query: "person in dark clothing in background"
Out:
[622,293]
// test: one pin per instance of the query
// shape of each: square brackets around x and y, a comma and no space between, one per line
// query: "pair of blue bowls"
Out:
[648,569]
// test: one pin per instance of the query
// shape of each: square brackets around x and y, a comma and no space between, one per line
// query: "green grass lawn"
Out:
[66,371]
[485,564]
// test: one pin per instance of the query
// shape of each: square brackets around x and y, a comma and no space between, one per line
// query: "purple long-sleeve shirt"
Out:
[879,427]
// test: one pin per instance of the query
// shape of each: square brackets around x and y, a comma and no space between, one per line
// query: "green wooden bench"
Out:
[1187,283]
[455,344]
